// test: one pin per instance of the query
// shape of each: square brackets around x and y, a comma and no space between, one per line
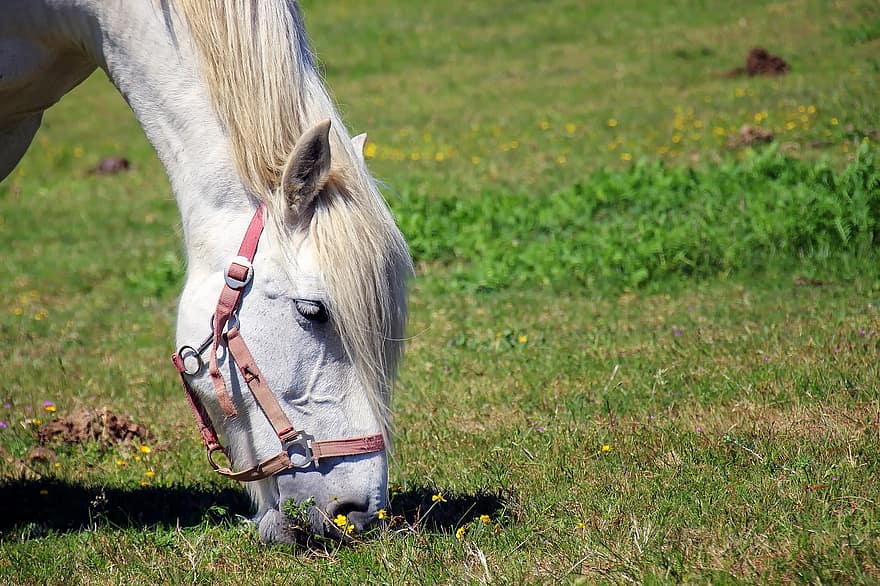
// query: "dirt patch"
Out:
[40,455]
[111,166]
[749,135]
[761,62]
[100,425]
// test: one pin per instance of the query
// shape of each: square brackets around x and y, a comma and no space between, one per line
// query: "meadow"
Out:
[639,350]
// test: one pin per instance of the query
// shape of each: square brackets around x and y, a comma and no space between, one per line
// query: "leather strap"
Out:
[269,467]
[257,384]
[229,300]
[206,428]
[352,446]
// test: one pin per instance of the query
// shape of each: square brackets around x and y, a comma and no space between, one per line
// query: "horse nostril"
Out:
[349,515]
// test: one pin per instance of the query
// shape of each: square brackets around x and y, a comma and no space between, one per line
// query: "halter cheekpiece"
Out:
[298,449]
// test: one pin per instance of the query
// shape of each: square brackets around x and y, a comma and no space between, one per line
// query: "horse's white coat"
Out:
[49,46]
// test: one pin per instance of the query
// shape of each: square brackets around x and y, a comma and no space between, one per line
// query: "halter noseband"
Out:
[306,450]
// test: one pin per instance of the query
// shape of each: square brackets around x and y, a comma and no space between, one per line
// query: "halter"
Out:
[298,449]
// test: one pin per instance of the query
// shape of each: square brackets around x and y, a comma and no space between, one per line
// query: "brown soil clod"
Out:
[749,135]
[40,455]
[111,166]
[101,425]
[761,62]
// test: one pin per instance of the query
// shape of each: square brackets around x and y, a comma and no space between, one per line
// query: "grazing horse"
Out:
[288,336]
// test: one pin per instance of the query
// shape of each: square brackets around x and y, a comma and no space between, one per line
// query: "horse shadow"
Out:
[31,509]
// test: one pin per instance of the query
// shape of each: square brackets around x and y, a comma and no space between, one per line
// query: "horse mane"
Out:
[261,75]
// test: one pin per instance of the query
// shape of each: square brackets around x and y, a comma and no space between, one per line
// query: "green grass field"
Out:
[637,354]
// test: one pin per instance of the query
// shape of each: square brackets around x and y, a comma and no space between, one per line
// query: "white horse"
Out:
[228,94]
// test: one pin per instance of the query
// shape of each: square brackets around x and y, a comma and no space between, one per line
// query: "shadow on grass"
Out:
[36,507]
[447,516]
[33,508]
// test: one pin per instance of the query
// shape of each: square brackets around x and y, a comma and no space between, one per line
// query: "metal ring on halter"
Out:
[303,441]
[192,353]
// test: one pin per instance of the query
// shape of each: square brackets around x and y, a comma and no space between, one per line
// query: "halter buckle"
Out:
[237,281]
[304,456]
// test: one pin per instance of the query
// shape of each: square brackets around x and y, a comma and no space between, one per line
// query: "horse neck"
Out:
[148,56]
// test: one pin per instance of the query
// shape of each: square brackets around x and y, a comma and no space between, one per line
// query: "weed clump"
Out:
[653,223]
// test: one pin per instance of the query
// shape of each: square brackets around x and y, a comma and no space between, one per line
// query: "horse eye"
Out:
[311,310]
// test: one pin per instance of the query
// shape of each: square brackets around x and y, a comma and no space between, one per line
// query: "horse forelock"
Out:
[260,72]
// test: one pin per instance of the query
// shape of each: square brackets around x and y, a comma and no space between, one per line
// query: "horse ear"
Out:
[359,143]
[307,167]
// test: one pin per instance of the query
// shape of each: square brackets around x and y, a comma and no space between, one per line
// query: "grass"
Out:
[709,422]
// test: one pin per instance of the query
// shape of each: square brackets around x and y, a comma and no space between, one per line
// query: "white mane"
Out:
[261,75]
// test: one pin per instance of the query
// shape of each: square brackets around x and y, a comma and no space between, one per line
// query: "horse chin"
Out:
[315,511]
[276,528]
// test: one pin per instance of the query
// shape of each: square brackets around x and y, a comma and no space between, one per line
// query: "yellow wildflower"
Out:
[383,514]
[625,157]
[544,125]
[485,519]
[146,449]
[522,339]
[459,533]
[834,122]
[341,521]
[149,473]
[612,122]
[606,448]
[370,150]
[438,498]
[121,462]
[570,128]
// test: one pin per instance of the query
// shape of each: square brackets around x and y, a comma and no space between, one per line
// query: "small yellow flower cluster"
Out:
[438,498]
[341,521]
